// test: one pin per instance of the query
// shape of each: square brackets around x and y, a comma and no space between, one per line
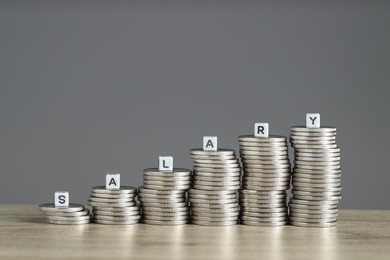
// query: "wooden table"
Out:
[360,234]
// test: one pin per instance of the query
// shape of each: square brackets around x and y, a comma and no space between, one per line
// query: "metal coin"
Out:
[51,207]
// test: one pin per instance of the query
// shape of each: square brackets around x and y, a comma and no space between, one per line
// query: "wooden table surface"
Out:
[360,234]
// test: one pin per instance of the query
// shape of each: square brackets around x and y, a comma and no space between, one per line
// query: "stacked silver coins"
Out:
[163,197]
[265,181]
[74,214]
[114,207]
[216,179]
[316,177]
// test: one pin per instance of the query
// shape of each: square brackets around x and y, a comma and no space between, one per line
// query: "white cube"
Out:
[113,181]
[210,143]
[313,120]
[262,130]
[165,163]
[61,199]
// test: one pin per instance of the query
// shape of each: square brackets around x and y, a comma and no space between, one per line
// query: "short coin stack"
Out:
[74,214]
[114,207]
[163,197]
[265,180]
[316,177]
[216,179]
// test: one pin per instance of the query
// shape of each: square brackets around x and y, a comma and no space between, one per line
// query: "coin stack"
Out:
[163,197]
[265,180]
[114,206]
[216,179]
[316,177]
[74,214]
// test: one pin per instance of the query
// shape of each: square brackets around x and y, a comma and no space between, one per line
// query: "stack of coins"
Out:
[114,207]
[163,197]
[265,180]
[74,214]
[316,177]
[216,179]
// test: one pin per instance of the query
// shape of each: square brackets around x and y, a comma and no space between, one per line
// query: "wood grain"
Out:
[25,235]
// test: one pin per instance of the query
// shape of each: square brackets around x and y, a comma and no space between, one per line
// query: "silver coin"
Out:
[318,208]
[264,153]
[264,224]
[329,203]
[313,216]
[205,211]
[266,179]
[319,156]
[167,178]
[165,214]
[155,200]
[215,219]
[123,189]
[216,188]
[322,129]
[264,148]
[200,151]
[146,208]
[263,201]
[217,170]
[264,215]
[211,192]
[314,225]
[174,172]
[316,211]
[213,157]
[320,172]
[75,218]
[274,219]
[323,194]
[219,179]
[314,168]
[160,192]
[212,197]
[217,175]
[97,199]
[308,220]
[116,214]
[117,209]
[167,183]
[264,188]
[266,162]
[310,143]
[84,212]
[164,218]
[262,205]
[162,196]
[68,222]
[264,210]
[165,223]
[162,187]
[216,215]
[214,206]
[192,200]
[117,218]
[316,176]
[313,138]
[319,151]
[316,180]
[313,134]
[110,204]
[113,196]
[244,145]
[71,208]
[314,198]
[215,183]
[212,223]
[166,205]
[316,163]
[265,157]
[114,222]
[248,170]
[270,138]
[216,161]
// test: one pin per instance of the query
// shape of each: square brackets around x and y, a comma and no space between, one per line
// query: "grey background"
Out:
[88,87]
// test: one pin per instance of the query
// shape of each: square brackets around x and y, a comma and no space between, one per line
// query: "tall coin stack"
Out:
[316,177]
[163,196]
[216,179]
[265,181]
[114,206]
[74,214]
